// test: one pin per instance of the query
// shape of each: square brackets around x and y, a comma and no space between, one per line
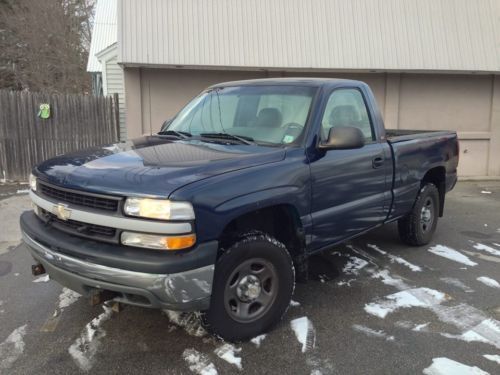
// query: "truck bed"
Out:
[414,153]
[400,135]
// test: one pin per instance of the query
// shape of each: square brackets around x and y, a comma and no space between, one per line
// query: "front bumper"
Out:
[187,290]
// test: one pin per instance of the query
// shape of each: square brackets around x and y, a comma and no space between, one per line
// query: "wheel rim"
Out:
[427,215]
[251,290]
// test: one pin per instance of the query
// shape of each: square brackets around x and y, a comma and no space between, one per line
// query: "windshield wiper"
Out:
[241,138]
[176,133]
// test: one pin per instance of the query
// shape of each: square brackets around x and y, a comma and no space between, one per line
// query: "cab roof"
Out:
[292,81]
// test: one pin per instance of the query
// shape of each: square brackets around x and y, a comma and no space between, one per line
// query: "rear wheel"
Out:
[417,228]
[253,286]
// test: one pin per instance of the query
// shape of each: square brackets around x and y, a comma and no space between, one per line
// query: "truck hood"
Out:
[151,166]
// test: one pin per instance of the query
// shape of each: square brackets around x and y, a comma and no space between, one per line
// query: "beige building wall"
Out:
[469,104]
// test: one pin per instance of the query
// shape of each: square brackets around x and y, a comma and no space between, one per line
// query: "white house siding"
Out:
[103,32]
[113,83]
[417,35]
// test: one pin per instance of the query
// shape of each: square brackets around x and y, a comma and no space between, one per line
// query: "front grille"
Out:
[79,228]
[80,199]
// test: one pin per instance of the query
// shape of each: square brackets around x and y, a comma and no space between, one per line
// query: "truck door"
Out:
[348,186]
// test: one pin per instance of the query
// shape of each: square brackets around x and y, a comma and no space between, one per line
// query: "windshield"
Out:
[263,114]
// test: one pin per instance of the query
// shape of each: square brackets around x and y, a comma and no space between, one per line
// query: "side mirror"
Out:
[343,138]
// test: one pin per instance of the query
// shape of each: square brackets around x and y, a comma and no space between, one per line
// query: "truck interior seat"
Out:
[269,117]
[344,115]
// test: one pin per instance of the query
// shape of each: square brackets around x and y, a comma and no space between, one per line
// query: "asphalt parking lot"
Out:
[373,306]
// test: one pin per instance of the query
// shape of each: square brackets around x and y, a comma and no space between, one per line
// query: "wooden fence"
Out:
[75,122]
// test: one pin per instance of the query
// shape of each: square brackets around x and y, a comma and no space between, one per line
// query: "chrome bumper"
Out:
[184,291]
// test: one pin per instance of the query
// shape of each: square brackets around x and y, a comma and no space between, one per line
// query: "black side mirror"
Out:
[343,138]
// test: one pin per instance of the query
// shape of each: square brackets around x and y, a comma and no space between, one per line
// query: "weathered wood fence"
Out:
[75,122]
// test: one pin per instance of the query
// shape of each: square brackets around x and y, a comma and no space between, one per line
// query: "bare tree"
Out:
[45,44]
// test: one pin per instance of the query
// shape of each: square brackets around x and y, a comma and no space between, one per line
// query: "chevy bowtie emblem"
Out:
[61,211]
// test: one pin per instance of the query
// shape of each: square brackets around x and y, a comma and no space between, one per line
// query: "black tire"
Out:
[235,313]
[417,228]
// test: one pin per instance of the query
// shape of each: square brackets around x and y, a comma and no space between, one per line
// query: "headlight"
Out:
[32,182]
[162,209]
[159,242]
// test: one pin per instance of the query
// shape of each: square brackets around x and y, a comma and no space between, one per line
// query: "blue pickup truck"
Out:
[221,209]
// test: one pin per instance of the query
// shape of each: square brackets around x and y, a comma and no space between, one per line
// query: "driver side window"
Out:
[346,107]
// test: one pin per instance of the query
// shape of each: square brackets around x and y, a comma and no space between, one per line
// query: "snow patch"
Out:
[67,298]
[446,366]
[304,332]
[42,279]
[449,253]
[489,282]
[354,265]
[189,321]
[457,283]
[228,352]
[486,248]
[492,357]
[377,249]
[399,260]
[198,362]
[294,303]
[389,280]
[371,332]
[485,192]
[420,327]
[84,349]
[23,191]
[417,297]
[12,348]
[257,340]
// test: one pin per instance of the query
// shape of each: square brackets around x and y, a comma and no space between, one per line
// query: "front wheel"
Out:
[253,285]
[417,228]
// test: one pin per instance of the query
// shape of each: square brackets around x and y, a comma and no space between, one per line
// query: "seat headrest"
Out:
[343,115]
[269,117]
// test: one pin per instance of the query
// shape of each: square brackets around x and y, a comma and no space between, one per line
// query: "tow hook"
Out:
[37,269]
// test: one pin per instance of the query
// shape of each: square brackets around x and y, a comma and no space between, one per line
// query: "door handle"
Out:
[377,162]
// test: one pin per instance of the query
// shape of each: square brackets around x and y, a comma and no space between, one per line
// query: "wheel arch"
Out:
[437,176]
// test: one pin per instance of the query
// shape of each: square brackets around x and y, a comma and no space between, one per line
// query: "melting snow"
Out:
[84,349]
[371,332]
[12,348]
[198,362]
[418,297]
[488,281]
[493,357]
[396,259]
[228,353]
[457,283]
[488,249]
[294,303]
[420,327]
[354,265]
[485,192]
[42,279]
[451,254]
[413,267]
[190,321]
[257,340]
[446,366]
[67,298]
[389,280]
[377,249]
[305,332]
